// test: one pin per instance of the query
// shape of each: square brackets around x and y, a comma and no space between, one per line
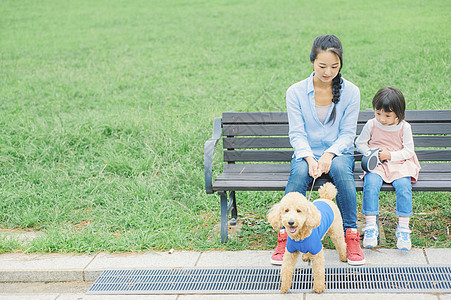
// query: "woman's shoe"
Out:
[277,256]
[353,250]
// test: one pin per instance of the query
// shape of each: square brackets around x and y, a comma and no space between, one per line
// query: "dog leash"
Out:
[311,190]
[314,178]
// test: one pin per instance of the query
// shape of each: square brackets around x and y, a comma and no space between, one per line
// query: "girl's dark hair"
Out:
[330,43]
[390,99]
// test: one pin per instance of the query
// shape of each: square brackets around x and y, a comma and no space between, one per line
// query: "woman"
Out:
[322,116]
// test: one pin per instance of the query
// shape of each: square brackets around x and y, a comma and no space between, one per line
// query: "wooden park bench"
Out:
[257,155]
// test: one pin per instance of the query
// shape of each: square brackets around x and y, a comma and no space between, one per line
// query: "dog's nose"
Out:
[291,223]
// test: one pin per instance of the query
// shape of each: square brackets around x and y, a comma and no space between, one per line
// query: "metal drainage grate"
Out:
[397,279]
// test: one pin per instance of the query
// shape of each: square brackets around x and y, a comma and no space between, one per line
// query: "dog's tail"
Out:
[327,191]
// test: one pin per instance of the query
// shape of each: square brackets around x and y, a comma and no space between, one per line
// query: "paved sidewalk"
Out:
[31,268]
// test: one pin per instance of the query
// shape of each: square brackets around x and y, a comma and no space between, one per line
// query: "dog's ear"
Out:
[275,216]
[313,219]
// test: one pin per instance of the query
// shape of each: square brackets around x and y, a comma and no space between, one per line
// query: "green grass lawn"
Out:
[106,105]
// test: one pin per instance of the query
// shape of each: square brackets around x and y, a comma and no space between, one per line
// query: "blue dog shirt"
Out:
[312,244]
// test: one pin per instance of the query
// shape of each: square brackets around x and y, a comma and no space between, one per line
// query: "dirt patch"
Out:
[21,236]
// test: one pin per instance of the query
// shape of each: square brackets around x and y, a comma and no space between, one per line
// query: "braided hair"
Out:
[330,43]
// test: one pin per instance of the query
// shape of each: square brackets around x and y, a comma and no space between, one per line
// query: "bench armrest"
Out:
[208,154]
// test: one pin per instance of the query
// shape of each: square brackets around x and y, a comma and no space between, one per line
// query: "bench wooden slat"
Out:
[256,168]
[284,142]
[424,128]
[253,176]
[434,168]
[413,116]
[280,186]
[432,141]
[250,177]
[255,130]
[286,155]
[254,155]
[240,185]
[286,168]
[274,176]
[254,117]
[281,117]
[420,186]
[434,155]
[256,142]
[282,129]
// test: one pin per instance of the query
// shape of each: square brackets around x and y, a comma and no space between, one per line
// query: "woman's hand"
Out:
[324,163]
[313,169]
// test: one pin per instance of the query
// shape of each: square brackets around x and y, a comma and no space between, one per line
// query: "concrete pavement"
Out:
[20,269]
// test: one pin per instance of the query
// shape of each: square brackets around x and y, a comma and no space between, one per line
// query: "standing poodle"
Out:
[307,223]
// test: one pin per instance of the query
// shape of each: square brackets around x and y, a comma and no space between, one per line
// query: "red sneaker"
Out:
[277,256]
[353,250]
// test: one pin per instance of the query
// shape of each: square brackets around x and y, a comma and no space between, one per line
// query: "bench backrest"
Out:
[263,136]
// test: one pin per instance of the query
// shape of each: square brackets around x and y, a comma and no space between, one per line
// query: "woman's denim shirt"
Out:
[308,136]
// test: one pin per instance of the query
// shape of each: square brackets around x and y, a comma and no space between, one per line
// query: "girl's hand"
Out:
[324,163]
[313,169]
[384,155]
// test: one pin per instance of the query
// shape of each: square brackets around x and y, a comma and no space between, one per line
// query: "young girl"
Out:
[322,114]
[393,136]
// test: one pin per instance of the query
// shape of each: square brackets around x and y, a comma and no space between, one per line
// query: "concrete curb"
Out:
[16,267]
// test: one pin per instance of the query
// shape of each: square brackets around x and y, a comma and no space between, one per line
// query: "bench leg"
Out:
[224,225]
[233,211]
[228,206]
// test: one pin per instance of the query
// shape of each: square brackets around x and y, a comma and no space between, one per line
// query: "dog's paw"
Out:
[319,287]
[343,257]
[284,288]
[305,257]
[342,253]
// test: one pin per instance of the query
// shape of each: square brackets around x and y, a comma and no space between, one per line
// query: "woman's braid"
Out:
[336,90]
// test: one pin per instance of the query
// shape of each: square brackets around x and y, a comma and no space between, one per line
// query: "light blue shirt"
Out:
[308,136]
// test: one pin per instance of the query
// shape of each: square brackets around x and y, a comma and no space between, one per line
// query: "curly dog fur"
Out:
[299,216]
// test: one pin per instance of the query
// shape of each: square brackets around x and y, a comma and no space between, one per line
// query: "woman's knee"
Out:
[341,172]
[299,163]
[299,178]
[342,165]
[299,168]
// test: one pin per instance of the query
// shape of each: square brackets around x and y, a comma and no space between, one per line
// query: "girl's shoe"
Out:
[403,236]
[370,236]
